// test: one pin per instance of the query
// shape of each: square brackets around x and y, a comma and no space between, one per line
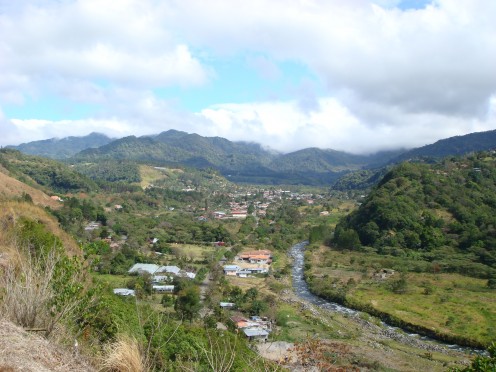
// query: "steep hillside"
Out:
[458,145]
[241,161]
[10,188]
[12,212]
[442,213]
[23,351]
[62,148]
[45,173]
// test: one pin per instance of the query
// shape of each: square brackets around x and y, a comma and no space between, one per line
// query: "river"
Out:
[300,287]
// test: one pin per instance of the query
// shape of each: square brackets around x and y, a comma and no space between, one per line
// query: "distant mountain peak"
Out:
[62,148]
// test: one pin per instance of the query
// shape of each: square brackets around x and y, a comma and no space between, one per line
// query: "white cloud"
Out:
[281,126]
[10,132]
[393,78]
[118,43]
[437,59]
[284,127]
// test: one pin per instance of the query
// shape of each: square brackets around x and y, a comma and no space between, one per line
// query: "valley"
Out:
[165,249]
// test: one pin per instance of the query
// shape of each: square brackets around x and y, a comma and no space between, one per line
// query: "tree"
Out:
[210,322]
[491,283]
[251,209]
[257,307]
[400,285]
[167,300]
[188,303]
[346,238]
[482,363]
[251,294]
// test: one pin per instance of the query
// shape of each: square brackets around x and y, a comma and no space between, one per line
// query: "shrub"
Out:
[491,283]
[41,290]
[124,355]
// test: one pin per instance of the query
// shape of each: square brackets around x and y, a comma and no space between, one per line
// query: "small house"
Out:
[186,274]
[256,334]
[243,273]
[239,321]
[163,288]
[231,269]
[257,270]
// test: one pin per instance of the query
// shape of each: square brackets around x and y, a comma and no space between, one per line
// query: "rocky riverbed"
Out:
[369,336]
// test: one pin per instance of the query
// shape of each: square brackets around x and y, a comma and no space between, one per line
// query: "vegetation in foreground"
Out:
[419,251]
[170,222]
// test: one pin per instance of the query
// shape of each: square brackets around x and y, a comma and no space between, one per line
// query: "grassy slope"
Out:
[11,211]
[11,188]
[454,305]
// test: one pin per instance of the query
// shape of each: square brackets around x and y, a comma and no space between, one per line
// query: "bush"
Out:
[124,354]
[41,290]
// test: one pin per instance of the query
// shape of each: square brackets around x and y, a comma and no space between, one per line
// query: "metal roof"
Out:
[251,332]
[232,267]
[168,269]
[149,268]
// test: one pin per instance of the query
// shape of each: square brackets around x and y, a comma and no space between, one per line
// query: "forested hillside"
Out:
[441,213]
[244,161]
[62,148]
[41,172]
[458,145]
[241,161]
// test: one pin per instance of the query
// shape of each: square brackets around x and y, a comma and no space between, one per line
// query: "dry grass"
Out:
[11,188]
[11,211]
[28,352]
[150,175]
[124,355]
[28,294]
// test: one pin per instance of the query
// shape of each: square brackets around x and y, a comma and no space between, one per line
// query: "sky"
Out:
[352,75]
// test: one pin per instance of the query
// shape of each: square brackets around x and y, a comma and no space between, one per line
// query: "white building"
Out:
[142,268]
[124,292]
[163,288]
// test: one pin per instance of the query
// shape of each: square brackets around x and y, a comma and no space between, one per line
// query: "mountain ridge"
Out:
[63,148]
[251,162]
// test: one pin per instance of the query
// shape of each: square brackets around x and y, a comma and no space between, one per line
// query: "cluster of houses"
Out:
[160,276]
[249,262]
[255,328]
[239,210]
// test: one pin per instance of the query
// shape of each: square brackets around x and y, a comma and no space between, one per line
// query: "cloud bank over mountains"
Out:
[358,76]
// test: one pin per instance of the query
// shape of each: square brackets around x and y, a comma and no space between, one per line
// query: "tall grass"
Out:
[28,296]
[124,355]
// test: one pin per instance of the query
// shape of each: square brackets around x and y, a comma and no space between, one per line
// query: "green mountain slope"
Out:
[44,173]
[250,162]
[62,148]
[441,213]
[458,145]
[241,161]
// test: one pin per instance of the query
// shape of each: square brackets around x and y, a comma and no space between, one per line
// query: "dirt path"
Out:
[203,295]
